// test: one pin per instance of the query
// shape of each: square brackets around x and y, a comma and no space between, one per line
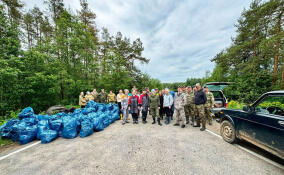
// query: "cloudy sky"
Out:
[179,36]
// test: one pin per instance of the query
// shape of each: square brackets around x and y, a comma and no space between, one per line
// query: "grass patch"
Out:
[72,106]
[5,142]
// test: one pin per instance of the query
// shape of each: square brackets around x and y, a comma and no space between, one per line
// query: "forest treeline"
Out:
[49,57]
[254,62]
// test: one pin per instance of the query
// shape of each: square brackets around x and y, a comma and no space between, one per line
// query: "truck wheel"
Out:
[228,131]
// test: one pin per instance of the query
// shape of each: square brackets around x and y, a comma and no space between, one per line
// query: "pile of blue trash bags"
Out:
[83,122]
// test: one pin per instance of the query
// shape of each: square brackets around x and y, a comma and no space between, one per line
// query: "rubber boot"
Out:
[198,123]
[154,120]
[187,120]
[159,122]
[203,126]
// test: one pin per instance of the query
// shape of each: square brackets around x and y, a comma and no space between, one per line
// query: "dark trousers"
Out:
[119,106]
[144,115]
[134,116]
[168,112]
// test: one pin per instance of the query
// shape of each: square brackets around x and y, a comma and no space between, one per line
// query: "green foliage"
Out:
[235,105]
[250,61]
[5,142]
[57,60]
[269,104]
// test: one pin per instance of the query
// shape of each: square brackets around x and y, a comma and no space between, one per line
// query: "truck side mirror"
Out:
[246,108]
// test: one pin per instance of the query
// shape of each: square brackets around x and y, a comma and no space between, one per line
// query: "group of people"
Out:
[189,105]
[101,97]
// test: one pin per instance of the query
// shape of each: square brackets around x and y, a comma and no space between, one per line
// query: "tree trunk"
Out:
[282,79]
[276,57]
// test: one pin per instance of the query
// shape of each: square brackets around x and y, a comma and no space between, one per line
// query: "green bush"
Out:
[269,104]
[235,105]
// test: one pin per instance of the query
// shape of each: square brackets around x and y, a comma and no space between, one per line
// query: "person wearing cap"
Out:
[154,102]
[209,105]
[144,103]
[133,106]
[167,104]
[179,103]
[200,101]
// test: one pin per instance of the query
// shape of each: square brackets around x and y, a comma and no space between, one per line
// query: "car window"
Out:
[271,105]
[217,94]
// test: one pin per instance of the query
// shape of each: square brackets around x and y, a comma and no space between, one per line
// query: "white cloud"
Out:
[179,37]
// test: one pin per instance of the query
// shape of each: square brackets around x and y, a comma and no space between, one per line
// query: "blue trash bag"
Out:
[69,127]
[109,107]
[105,120]
[101,107]
[56,124]
[6,130]
[60,115]
[116,116]
[26,113]
[30,121]
[86,127]
[28,134]
[43,117]
[98,124]
[77,112]
[48,136]
[86,111]
[91,104]
[42,126]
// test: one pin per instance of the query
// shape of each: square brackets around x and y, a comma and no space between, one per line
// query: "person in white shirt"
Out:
[119,99]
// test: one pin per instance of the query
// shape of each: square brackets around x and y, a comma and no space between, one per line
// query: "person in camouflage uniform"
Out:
[186,107]
[95,95]
[191,105]
[209,105]
[179,102]
[102,96]
[200,100]
[154,103]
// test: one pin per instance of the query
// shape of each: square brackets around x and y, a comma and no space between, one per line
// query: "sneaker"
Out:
[123,123]
[127,122]
[202,129]
[176,124]
[182,126]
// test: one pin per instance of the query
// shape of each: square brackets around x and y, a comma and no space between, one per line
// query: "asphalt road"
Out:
[137,149]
